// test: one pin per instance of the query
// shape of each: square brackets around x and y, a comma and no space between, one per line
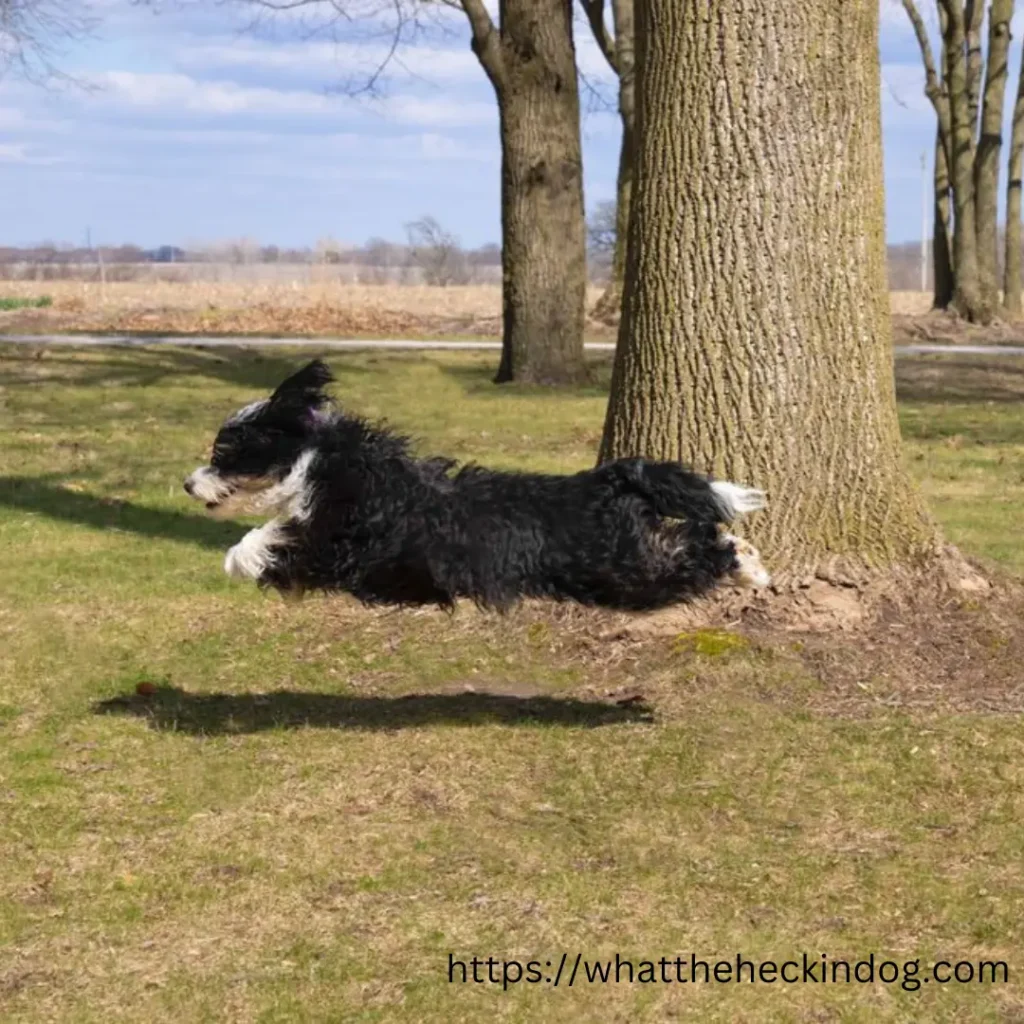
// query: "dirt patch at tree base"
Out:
[950,637]
[942,327]
[837,599]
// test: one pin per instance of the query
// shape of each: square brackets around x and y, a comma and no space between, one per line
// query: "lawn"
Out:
[321,804]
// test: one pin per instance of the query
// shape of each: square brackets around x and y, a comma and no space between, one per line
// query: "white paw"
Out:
[738,500]
[253,554]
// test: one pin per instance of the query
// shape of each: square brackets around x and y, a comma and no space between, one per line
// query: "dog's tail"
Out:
[677,493]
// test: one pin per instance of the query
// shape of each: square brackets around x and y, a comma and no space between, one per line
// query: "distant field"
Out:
[304,305]
[242,307]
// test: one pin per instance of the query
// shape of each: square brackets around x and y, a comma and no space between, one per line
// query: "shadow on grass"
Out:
[30,494]
[216,714]
[960,379]
[478,378]
[139,366]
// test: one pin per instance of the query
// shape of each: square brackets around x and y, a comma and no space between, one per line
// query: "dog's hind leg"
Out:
[678,493]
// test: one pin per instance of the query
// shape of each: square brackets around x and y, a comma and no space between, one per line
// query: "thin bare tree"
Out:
[617,46]
[967,89]
[1012,282]
[437,253]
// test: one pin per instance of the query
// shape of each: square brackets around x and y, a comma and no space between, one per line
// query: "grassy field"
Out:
[320,804]
[304,306]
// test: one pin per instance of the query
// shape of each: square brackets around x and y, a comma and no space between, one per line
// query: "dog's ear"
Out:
[304,389]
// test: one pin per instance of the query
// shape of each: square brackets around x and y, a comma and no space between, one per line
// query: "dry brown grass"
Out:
[910,303]
[238,307]
[327,307]
[477,301]
[481,301]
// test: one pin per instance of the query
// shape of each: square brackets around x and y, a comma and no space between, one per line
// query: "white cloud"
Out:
[12,119]
[13,153]
[331,61]
[24,153]
[171,95]
[448,112]
[174,93]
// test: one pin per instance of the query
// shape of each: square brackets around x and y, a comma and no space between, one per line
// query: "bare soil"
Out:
[941,328]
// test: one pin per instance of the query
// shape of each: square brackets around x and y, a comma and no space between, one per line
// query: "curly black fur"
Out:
[369,518]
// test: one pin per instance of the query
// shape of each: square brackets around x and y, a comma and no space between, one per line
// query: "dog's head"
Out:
[259,446]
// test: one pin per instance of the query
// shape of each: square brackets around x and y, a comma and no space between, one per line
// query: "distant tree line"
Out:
[432,256]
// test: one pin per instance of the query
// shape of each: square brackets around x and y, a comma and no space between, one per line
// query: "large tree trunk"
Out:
[755,340]
[989,151]
[960,76]
[942,253]
[1012,259]
[609,306]
[544,271]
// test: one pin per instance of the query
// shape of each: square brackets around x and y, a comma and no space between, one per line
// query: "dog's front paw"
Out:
[254,554]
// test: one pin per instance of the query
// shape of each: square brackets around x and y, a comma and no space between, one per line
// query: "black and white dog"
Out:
[353,510]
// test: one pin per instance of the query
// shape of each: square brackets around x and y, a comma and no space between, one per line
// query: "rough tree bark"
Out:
[531,61]
[943,280]
[974,18]
[989,151]
[1012,259]
[755,340]
[967,297]
[618,51]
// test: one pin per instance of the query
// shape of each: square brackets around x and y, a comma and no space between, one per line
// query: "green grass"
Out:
[320,803]
[10,302]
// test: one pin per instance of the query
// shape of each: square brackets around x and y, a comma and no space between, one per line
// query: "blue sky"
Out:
[198,128]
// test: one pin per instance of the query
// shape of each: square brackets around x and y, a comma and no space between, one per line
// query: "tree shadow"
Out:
[960,379]
[144,365]
[169,709]
[476,379]
[31,494]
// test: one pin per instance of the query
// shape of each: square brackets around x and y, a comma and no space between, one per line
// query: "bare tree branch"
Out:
[594,10]
[34,35]
[934,87]
[486,42]
[391,22]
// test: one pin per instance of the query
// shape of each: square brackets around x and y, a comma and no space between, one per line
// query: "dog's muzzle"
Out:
[207,486]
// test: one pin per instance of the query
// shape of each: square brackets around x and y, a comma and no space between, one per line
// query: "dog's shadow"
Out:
[169,709]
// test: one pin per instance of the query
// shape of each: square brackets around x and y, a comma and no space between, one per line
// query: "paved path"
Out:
[399,344]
